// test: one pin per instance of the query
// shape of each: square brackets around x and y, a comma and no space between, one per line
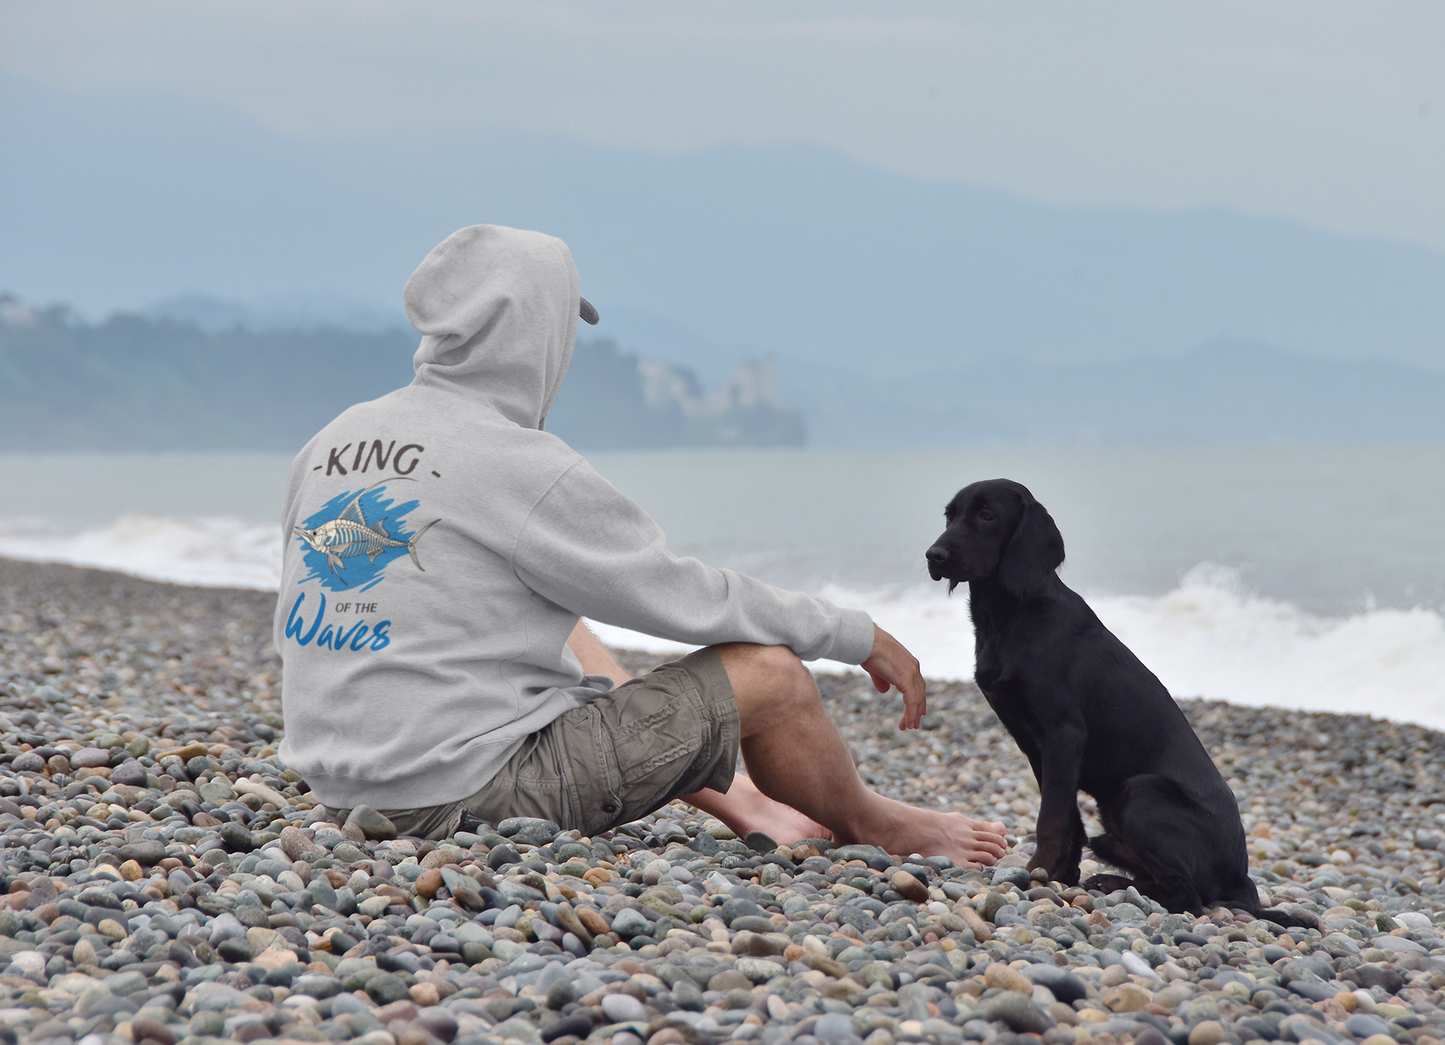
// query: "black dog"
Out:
[1090,716]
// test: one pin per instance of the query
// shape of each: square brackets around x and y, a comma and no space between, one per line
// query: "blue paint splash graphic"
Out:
[357,574]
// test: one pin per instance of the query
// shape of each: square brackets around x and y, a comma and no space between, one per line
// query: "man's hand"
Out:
[891,665]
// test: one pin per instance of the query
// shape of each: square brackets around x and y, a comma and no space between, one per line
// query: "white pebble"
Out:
[29,962]
[623,1008]
[1137,966]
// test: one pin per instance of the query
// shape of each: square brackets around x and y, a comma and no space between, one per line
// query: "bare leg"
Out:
[782,718]
[796,756]
[743,808]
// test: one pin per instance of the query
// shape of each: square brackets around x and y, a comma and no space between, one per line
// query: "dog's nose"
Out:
[936,555]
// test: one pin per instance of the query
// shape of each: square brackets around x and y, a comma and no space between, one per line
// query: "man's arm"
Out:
[596,658]
[586,547]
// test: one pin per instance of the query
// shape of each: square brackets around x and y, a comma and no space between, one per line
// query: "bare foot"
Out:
[744,808]
[965,841]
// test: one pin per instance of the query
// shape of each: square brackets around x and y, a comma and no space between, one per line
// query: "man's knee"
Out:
[774,662]
[773,674]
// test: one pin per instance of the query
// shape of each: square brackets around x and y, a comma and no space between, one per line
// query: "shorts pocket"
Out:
[600,812]
[588,771]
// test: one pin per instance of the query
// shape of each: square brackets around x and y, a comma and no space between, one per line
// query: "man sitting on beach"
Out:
[441,550]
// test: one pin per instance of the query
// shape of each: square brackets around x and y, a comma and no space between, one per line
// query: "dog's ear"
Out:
[1034,552]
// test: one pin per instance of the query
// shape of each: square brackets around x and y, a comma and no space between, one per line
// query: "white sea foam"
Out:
[1208,637]
[209,552]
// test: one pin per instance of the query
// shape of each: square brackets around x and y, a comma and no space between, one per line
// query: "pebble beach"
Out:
[167,879]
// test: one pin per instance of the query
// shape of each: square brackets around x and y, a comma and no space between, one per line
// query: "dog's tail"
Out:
[1278,915]
[1288,919]
[1244,896]
[1179,900]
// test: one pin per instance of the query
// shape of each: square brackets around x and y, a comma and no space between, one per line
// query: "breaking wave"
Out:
[207,552]
[1208,637]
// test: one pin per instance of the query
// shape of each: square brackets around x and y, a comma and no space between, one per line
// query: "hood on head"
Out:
[497,311]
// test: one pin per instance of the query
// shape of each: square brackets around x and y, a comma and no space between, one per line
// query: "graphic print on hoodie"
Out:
[340,531]
[444,546]
[337,533]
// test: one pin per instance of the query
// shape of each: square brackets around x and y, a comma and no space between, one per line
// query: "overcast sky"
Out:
[1330,113]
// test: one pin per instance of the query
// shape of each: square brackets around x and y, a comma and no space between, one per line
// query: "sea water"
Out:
[1310,578]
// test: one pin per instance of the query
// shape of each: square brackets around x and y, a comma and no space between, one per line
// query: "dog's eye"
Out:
[984,515]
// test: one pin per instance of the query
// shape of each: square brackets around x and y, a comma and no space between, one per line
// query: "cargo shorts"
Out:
[665,734]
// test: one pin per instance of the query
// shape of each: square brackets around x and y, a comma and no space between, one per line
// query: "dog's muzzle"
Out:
[937,558]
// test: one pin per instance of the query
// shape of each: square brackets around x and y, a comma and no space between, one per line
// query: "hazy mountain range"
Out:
[115,201]
[898,311]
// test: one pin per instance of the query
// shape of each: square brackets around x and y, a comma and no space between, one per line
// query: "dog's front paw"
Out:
[1058,871]
[1066,875]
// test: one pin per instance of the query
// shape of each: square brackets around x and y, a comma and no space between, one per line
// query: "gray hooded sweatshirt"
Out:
[440,547]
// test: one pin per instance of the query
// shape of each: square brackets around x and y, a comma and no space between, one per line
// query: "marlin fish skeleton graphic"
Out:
[348,535]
